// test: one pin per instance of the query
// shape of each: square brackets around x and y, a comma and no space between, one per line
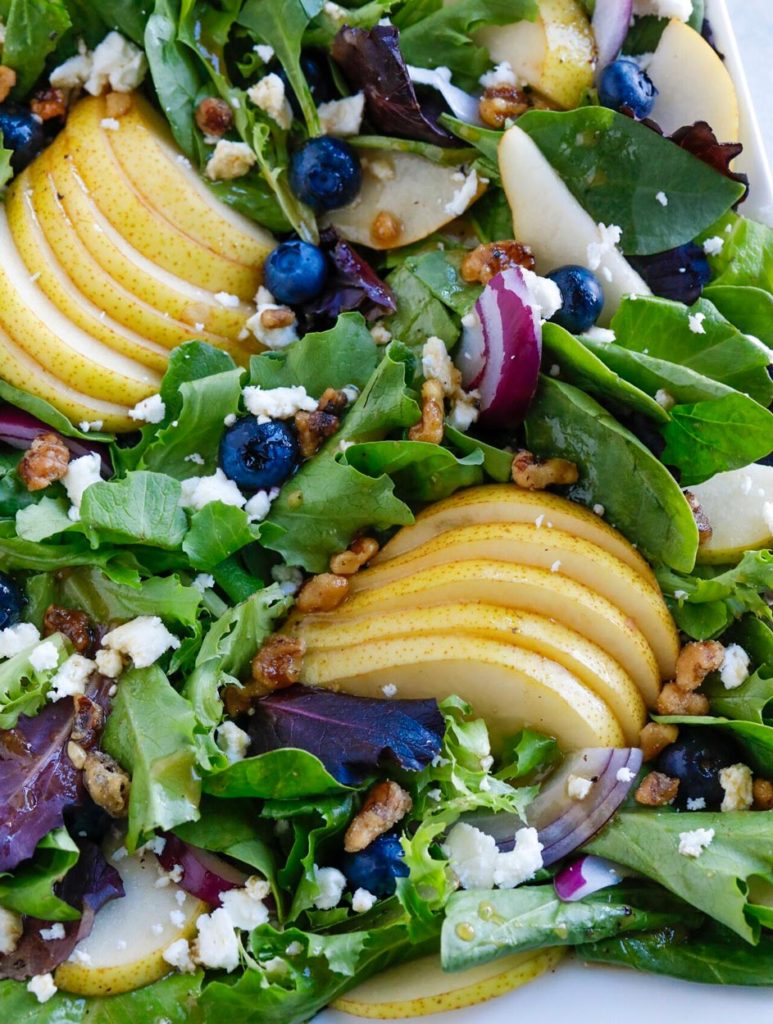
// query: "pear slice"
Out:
[547,217]
[735,504]
[125,949]
[583,659]
[693,84]
[422,987]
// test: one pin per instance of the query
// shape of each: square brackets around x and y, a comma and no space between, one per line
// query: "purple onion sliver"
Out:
[204,875]
[18,429]
[611,21]
[585,876]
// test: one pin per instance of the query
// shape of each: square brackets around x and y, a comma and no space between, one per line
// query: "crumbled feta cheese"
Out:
[198,491]
[227,300]
[269,96]
[544,294]
[692,844]
[81,473]
[118,63]
[245,906]
[109,663]
[522,862]
[556,565]
[767,514]
[56,931]
[230,160]
[680,594]
[177,917]
[265,52]
[335,12]
[110,123]
[74,72]
[389,689]
[204,581]
[331,884]
[472,856]
[11,929]
[217,945]
[599,510]
[695,321]
[86,425]
[713,246]
[233,741]
[664,399]
[464,410]
[230,419]
[342,117]
[71,677]
[380,334]
[436,363]
[577,787]
[502,74]
[259,505]
[143,639]
[294,949]
[277,403]
[697,803]
[555,370]
[289,578]
[178,955]
[149,410]
[42,987]
[602,334]
[662,198]
[681,9]
[274,338]
[195,458]
[736,781]
[463,196]
[735,667]
[363,901]
[609,236]
[14,639]
[44,657]
[625,775]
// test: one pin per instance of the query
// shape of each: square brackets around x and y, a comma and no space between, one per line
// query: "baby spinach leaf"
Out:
[746,258]
[497,463]
[32,31]
[420,315]
[129,17]
[439,270]
[420,471]
[141,508]
[640,496]
[749,309]
[615,166]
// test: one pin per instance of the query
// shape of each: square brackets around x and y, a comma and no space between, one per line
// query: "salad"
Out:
[386,506]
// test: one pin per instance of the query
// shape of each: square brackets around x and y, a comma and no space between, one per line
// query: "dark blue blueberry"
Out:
[258,456]
[583,298]
[22,133]
[696,759]
[325,173]
[88,821]
[377,866]
[11,601]
[296,272]
[624,84]
[679,274]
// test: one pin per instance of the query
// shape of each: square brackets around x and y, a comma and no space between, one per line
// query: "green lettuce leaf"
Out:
[30,889]
[217,531]
[746,258]
[284,774]
[23,688]
[40,408]
[141,508]
[421,471]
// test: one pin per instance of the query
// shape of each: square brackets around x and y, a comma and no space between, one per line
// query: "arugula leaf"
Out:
[749,309]
[746,258]
[419,314]
[284,774]
[420,471]
[640,496]
[141,508]
[23,688]
[33,30]
[150,732]
[615,166]
[217,531]
[30,890]
[533,917]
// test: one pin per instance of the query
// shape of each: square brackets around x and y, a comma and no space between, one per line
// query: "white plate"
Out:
[575,994]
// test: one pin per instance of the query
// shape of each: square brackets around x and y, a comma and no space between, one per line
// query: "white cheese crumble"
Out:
[233,741]
[227,300]
[230,160]
[198,491]
[265,52]
[476,861]
[692,844]
[713,246]
[681,9]
[73,73]
[42,987]
[71,677]
[118,63]
[463,196]
[662,198]
[44,657]
[767,514]
[436,363]
[277,403]
[245,906]
[331,884]
[556,565]
[736,781]
[14,639]
[609,237]
[269,96]
[577,787]
[109,663]
[380,334]
[289,578]
[178,955]
[342,117]
[110,123]
[335,12]
[203,581]
[664,399]
[735,667]
[86,425]
[599,510]
[389,689]
[81,474]
[274,338]
[697,803]
[149,410]
[602,334]
[522,862]
[259,505]
[544,294]
[625,775]
[363,901]
[217,945]
[11,929]
[143,639]
[502,74]
[464,410]
[56,931]
[695,322]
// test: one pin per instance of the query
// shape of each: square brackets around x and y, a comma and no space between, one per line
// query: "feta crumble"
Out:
[662,198]
[195,458]
[522,862]
[363,901]
[736,781]
[602,334]
[198,491]
[692,844]
[713,246]
[259,505]
[331,884]
[463,196]
[436,363]
[289,578]
[56,931]
[204,581]
[87,425]
[502,74]
[664,399]
[697,803]
[109,663]
[735,667]
[625,775]
[544,294]
[229,160]
[342,117]
[81,474]
[577,787]
[380,334]
[110,123]
[42,987]
[556,565]
[277,403]
[599,510]
[14,639]
[11,929]
[178,955]
[71,677]
[265,52]
[149,410]
[695,322]
[476,861]
[767,514]
[217,944]
[245,906]
[117,63]
[681,9]
[269,96]
[44,657]
[275,338]
[464,410]
[389,689]
[227,300]
[143,639]
[233,741]
[609,237]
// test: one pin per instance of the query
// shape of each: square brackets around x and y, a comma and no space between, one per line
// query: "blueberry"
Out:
[624,84]
[258,456]
[11,601]
[696,759]
[583,298]
[22,133]
[325,173]
[295,272]
[377,866]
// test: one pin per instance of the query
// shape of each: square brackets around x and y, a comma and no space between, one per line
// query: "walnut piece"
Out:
[88,721]
[701,519]
[430,426]
[655,737]
[107,783]
[673,700]
[322,593]
[385,804]
[501,103]
[7,81]
[44,462]
[276,666]
[386,228]
[333,402]
[118,103]
[76,626]
[347,563]
[657,790]
[534,475]
[763,795]
[696,660]
[313,428]
[48,104]
[484,262]
[214,117]
[274,318]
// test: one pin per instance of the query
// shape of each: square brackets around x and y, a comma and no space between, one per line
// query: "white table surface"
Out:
[753,24]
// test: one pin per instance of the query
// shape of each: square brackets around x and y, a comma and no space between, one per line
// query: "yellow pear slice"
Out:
[524,587]
[506,503]
[507,686]
[421,987]
[583,659]
[420,195]
[545,548]
[125,949]
[739,506]
[693,84]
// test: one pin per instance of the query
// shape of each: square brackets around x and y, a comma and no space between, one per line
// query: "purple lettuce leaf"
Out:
[373,64]
[679,274]
[700,140]
[89,885]
[352,285]
[351,736]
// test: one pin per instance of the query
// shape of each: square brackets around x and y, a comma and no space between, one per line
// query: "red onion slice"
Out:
[462,104]
[204,875]
[471,356]
[585,876]
[18,429]
[611,21]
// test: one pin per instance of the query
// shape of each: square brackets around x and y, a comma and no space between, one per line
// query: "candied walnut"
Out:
[313,428]
[484,262]
[501,103]
[385,804]
[696,661]
[333,401]
[654,737]
[762,790]
[673,700]
[45,461]
[214,117]
[88,721]
[430,426]
[273,318]
[536,475]
[48,104]
[657,790]
[77,754]
[276,666]
[118,103]
[7,81]
[701,519]
[76,626]
[322,593]
[386,228]
[347,563]
[107,783]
